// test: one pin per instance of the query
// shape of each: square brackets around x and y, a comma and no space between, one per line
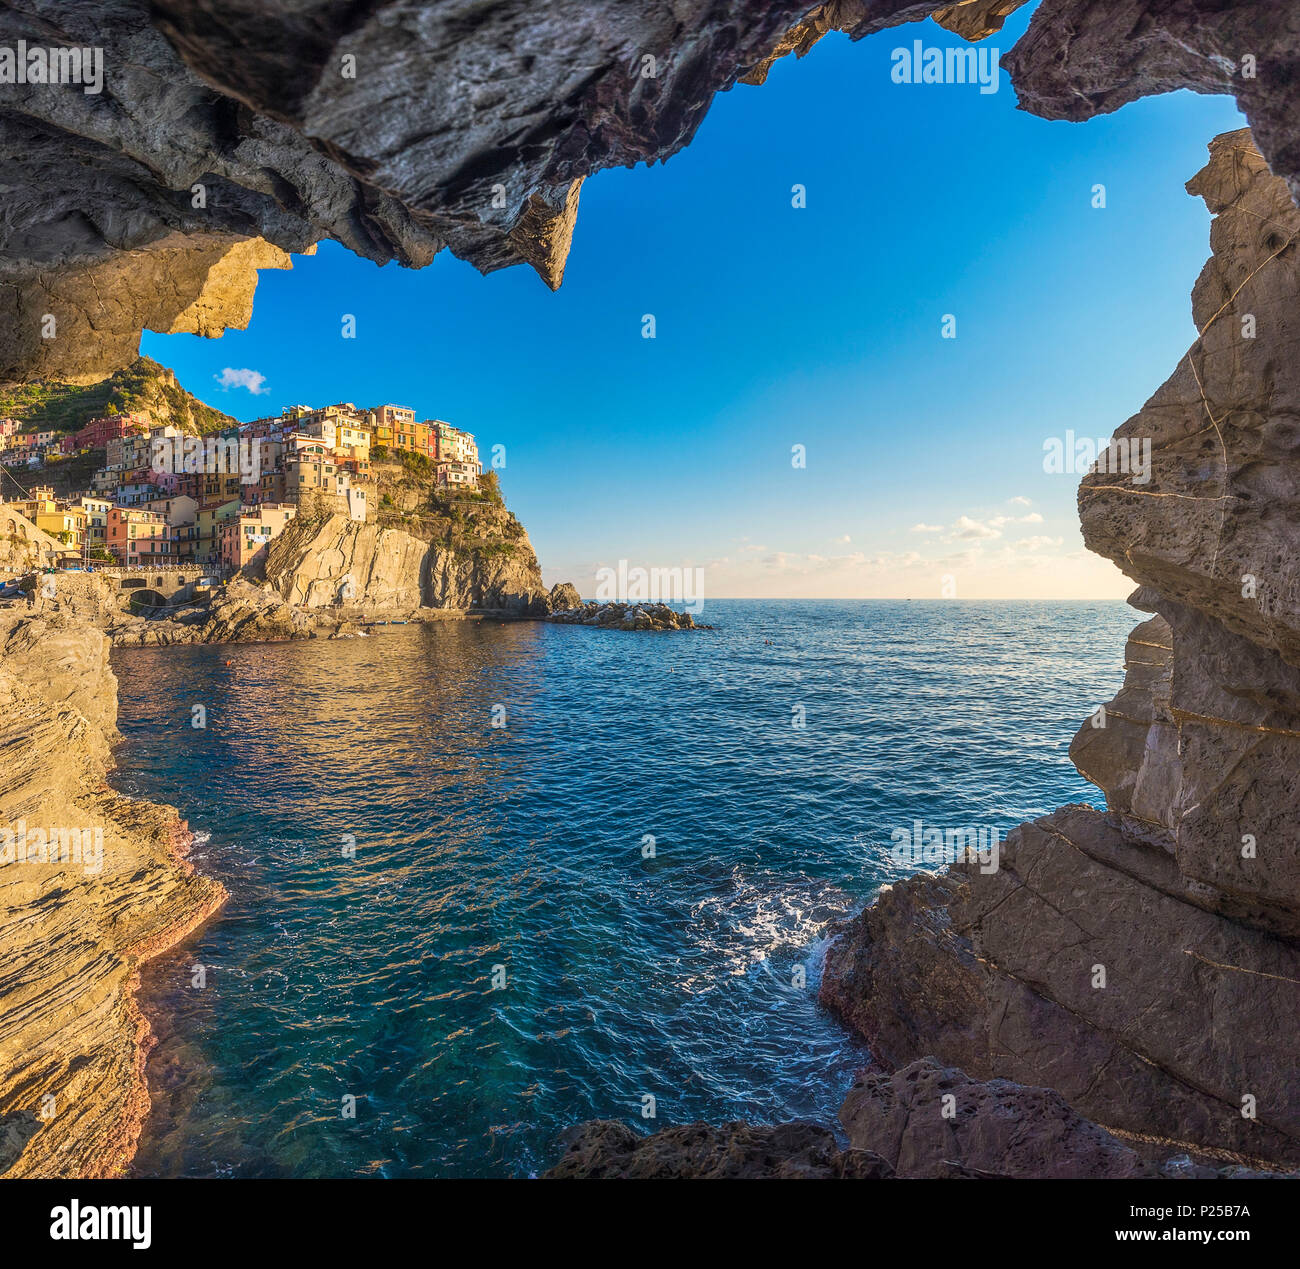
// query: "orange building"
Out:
[137,537]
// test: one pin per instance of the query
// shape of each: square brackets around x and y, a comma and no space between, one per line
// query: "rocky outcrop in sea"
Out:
[629,616]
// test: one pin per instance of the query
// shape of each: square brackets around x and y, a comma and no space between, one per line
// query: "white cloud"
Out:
[927,528]
[1020,501]
[250,379]
[843,541]
[968,528]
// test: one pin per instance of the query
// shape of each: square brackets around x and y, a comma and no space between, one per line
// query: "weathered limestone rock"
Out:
[346,562]
[1223,500]
[72,1041]
[995,1129]
[629,616]
[244,612]
[563,597]
[606,1149]
[198,284]
[1215,762]
[1130,747]
[976,19]
[1199,754]
[1082,58]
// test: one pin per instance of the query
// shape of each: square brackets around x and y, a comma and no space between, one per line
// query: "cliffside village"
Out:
[163,498]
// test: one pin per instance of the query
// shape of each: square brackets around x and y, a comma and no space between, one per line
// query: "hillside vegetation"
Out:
[144,385]
[404,497]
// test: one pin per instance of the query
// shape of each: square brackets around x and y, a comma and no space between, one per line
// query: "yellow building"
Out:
[355,441]
[97,510]
[68,524]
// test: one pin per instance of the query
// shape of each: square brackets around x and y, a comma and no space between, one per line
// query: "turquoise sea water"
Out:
[522,847]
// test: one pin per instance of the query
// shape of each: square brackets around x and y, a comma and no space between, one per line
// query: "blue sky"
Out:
[779,326]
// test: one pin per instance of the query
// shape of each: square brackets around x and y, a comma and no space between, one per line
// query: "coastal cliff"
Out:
[75,928]
[425,555]
[422,550]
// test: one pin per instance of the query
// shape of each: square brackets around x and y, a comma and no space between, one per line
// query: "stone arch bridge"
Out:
[150,589]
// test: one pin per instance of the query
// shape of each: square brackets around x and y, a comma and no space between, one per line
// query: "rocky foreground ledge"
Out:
[74,932]
[895,1130]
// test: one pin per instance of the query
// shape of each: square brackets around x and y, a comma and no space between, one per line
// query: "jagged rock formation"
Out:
[605,1150]
[1081,966]
[229,133]
[1144,962]
[563,596]
[1081,58]
[72,1042]
[78,323]
[1212,538]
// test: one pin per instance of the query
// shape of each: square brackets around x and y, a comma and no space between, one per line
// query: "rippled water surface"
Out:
[522,846]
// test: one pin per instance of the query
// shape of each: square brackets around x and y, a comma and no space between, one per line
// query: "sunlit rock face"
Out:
[401,128]
[75,922]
